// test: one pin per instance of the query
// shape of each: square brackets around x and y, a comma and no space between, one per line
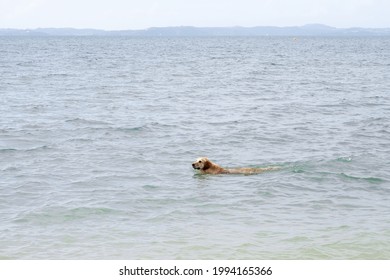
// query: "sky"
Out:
[142,14]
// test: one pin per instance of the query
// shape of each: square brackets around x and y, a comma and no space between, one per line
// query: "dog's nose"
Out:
[193,165]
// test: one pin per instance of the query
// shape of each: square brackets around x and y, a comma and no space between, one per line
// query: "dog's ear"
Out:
[206,165]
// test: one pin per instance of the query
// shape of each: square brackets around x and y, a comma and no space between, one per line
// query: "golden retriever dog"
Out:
[206,166]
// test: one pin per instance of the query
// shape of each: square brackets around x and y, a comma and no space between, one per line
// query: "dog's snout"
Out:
[193,165]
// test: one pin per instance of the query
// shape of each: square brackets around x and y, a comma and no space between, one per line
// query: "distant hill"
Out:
[306,30]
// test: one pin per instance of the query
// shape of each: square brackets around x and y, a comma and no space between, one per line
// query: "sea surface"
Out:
[97,137]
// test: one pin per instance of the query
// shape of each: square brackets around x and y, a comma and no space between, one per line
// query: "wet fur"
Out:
[206,166]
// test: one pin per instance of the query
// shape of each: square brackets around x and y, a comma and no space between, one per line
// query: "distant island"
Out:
[182,31]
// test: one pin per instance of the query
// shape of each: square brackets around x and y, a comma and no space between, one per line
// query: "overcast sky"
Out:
[140,14]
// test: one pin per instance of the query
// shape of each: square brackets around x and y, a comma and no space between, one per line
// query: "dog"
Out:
[206,166]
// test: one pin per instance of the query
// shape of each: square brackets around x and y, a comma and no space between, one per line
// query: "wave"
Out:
[8,150]
[128,129]
[11,150]
[87,122]
[97,124]
[63,214]
[368,179]
[344,159]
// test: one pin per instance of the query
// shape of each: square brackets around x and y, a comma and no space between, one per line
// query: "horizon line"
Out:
[194,26]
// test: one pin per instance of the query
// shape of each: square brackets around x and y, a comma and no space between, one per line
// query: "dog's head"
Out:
[202,163]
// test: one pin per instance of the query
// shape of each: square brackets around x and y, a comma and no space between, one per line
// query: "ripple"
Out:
[37,148]
[8,150]
[59,215]
[87,122]
[374,180]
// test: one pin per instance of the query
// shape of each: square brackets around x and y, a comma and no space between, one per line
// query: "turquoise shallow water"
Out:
[97,136]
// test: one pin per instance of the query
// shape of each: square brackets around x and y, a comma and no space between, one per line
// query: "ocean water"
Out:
[97,137]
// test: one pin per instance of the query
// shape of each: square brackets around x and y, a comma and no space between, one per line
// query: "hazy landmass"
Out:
[306,30]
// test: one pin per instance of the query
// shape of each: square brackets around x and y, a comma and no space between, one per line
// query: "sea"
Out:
[97,137]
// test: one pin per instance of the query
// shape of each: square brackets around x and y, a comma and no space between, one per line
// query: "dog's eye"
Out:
[200,161]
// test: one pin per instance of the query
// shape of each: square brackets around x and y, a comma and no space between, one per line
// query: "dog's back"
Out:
[250,170]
